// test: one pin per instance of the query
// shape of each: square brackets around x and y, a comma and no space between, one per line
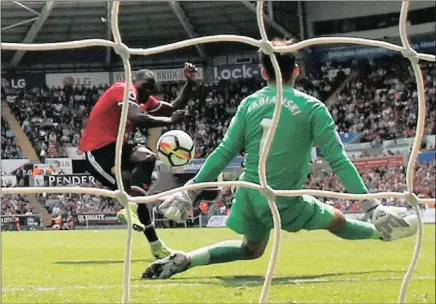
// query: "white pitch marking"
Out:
[236,282]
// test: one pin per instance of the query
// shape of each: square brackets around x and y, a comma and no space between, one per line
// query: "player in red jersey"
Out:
[99,139]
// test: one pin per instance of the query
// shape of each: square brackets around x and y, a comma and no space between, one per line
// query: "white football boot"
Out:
[165,268]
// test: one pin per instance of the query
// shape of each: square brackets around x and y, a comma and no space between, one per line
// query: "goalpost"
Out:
[124,52]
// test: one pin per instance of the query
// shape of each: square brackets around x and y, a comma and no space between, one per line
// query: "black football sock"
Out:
[140,179]
[144,218]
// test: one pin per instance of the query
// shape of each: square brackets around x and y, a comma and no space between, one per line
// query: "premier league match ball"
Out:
[175,148]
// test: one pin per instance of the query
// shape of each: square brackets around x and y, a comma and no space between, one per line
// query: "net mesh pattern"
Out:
[265,44]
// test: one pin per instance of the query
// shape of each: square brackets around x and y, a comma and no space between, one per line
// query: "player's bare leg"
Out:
[139,182]
[223,252]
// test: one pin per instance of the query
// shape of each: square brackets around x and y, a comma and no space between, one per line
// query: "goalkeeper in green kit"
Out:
[304,121]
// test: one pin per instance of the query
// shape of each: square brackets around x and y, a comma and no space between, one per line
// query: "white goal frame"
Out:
[267,47]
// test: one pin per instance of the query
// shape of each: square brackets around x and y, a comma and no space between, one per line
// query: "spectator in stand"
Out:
[62,203]
[379,180]
[14,204]
[10,150]
[54,118]
[380,103]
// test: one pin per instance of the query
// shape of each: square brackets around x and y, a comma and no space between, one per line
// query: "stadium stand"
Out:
[378,103]
[10,150]
[379,179]
[53,118]
[15,204]
[381,103]
[58,203]
[373,102]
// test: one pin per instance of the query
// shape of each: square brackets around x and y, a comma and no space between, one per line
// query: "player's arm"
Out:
[140,119]
[163,108]
[227,150]
[328,141]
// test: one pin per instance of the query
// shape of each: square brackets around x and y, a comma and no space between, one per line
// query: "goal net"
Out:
[124,52]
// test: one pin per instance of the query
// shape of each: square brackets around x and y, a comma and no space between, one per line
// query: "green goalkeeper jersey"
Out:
[304,121]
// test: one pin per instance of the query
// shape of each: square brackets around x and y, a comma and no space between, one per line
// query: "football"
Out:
[175,148]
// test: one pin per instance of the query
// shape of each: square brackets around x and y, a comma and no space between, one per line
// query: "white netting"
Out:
[267,47]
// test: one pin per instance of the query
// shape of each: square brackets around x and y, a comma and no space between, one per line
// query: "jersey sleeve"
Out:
[118,94]
[152,104]
[328,141]
[227,150]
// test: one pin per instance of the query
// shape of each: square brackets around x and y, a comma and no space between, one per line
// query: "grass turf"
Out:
[314,267]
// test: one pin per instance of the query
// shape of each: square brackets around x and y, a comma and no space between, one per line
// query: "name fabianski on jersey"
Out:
[291,106]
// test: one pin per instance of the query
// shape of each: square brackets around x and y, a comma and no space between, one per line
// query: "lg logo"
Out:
[14,83]
[71,81]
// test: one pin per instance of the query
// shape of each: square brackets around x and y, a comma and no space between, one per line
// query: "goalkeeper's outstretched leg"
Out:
[223,252]
[315,214]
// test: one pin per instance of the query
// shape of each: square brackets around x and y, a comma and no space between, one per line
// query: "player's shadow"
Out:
[253,280]
[100,262]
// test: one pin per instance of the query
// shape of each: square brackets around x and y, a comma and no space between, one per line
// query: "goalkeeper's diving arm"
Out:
[327,139]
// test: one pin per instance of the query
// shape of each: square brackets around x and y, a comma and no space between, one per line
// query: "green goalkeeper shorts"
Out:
[251,215]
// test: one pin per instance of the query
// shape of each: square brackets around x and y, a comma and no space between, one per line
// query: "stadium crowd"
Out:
[392,178]
[10,150]
[15,204]
[15,210]
[379,103]
[53,118]
[58,203]
[381,179]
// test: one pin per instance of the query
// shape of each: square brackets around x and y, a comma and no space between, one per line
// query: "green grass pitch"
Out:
[314,267]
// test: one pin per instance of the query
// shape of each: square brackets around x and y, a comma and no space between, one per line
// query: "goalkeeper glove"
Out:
[393,223]
[178,206]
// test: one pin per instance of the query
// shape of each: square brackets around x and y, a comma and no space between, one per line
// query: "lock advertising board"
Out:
[236,72]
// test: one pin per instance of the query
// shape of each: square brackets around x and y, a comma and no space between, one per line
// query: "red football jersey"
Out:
[104,120]
[152,105]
